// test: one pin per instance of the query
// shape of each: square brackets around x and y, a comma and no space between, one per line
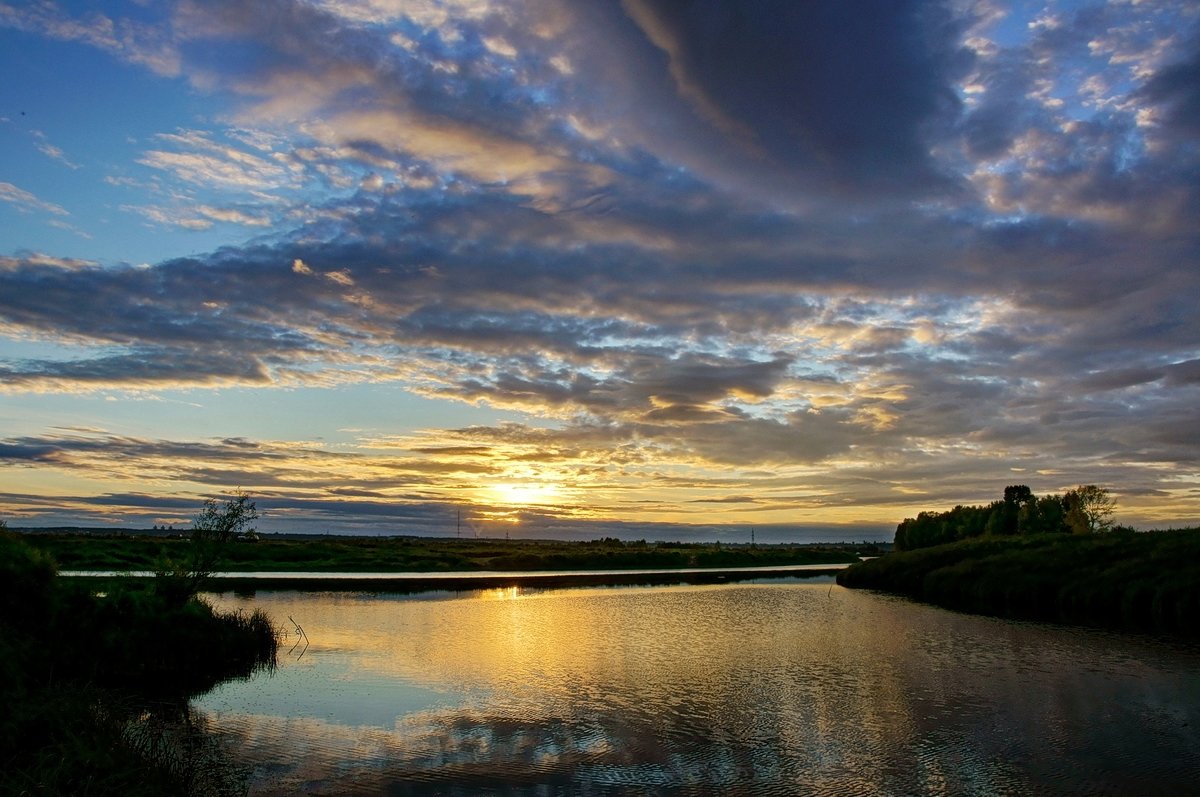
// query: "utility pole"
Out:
[458,529]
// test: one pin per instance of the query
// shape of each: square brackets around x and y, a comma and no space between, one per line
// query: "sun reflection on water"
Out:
[785,688]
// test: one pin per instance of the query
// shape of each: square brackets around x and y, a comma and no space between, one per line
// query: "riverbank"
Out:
[431,555]
[94,684]
[1147,581]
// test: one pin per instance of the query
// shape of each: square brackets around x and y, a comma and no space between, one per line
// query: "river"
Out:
[784,687]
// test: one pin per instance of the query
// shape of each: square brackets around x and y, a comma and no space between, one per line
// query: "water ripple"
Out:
[765,689]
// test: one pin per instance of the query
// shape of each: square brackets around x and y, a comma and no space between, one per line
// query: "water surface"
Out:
[762,688]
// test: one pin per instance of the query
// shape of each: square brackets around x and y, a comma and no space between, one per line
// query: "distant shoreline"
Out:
[469,562]
[465,581]
[767,535]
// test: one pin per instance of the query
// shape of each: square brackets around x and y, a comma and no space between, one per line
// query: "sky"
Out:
[584,267]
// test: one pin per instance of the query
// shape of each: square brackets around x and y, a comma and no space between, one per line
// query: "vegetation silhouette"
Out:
[422,554]
[1083,510]
[1030,558]
[94,685]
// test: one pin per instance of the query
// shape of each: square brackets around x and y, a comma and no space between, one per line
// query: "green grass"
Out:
[397,554]
[1137,581]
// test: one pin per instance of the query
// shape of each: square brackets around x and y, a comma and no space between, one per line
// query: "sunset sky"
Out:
[579,267]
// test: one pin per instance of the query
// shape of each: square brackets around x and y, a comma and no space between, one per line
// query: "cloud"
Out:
[843,93]
[222,167]
[200,217]
[50,151]
[26,201]
[1174,87]
[27,259]
[816,256]
[136,42]
[138,369]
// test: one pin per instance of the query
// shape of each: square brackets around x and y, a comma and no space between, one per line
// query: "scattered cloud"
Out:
[861,262]
[213,164]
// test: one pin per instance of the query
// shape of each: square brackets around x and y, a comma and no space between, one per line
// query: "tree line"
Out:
[1082,510]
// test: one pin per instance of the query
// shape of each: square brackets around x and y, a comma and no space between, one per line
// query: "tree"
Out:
[1029,518]
[1001,519]
[1089,508]
[1018,494]
[217,525]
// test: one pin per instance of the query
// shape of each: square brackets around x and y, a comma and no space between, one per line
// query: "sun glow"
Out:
[525,493]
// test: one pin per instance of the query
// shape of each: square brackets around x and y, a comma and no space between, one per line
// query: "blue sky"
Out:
[571,267]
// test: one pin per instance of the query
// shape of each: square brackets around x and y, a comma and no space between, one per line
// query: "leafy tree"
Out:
[1029,518]
[1076,520]
[1089,508]
[1018,494]
[1019,512]
[1001,519]
[1042,516]
[1050,508]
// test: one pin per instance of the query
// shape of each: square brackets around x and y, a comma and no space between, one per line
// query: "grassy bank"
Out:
[1136,581]
[423,554]
[94,686]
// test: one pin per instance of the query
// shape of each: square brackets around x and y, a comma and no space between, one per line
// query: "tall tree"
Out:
[1018,494]
[1089,508]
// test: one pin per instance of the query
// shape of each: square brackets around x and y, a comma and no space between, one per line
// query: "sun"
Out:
[526,493]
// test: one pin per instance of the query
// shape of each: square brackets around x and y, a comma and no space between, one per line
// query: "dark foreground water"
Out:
[764,688]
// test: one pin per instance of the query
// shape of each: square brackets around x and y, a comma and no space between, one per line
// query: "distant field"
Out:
[423,554]
[1146,581]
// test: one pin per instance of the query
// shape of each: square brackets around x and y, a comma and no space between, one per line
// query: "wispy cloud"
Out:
[26,201]
[201,217]
[136,42]
[213,164]
[43,145]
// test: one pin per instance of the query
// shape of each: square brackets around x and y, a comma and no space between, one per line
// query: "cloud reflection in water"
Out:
[763,688]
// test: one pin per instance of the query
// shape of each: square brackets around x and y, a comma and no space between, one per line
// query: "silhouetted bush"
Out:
[1141,581]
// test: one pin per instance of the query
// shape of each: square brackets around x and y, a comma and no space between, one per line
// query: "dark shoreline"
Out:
[433,558]
[1146,582]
